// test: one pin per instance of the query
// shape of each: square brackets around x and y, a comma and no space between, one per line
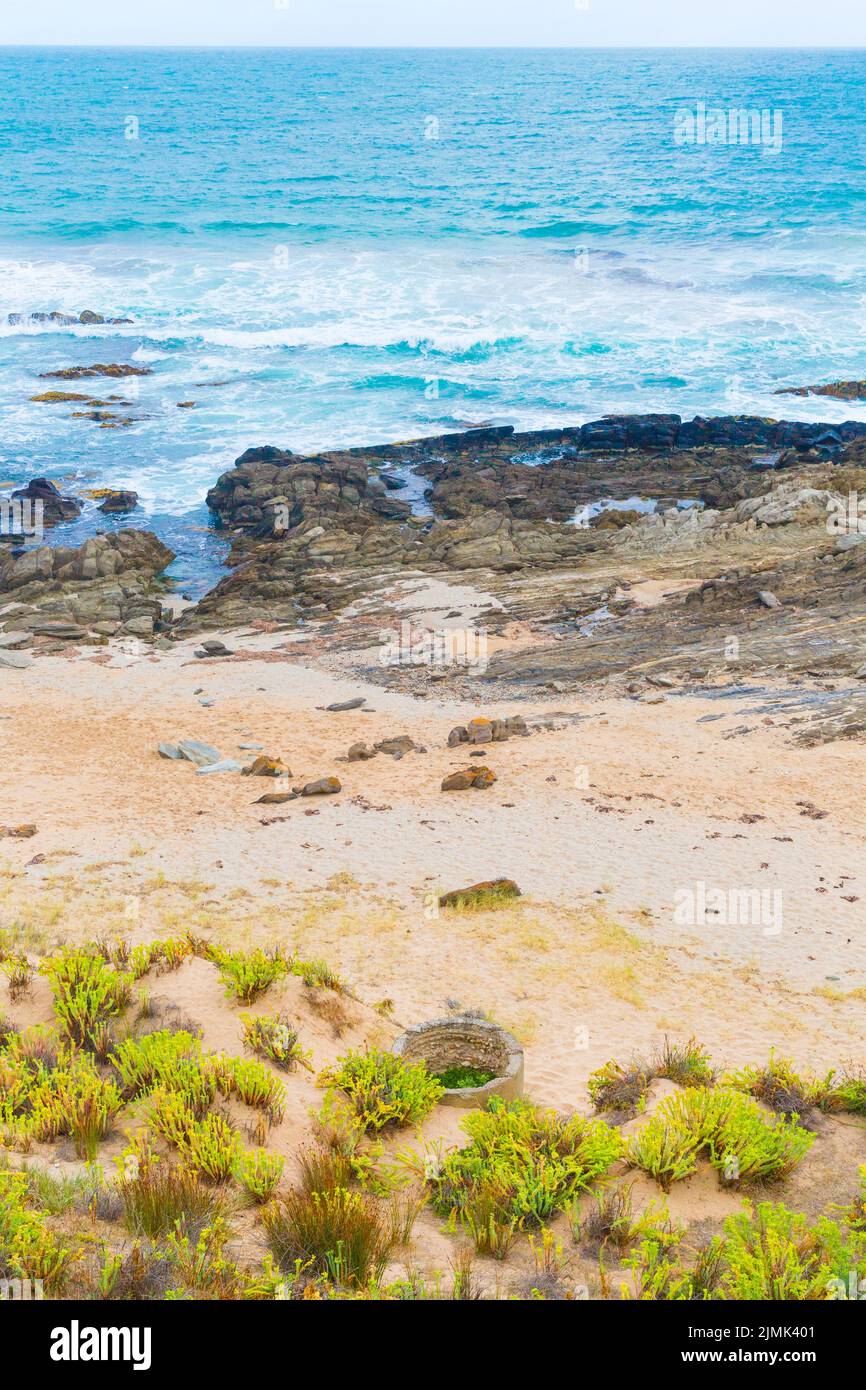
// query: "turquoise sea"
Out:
[325,247]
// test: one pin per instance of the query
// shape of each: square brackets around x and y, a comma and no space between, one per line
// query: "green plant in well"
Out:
[464,1078]
[383,1090]
[521,1165]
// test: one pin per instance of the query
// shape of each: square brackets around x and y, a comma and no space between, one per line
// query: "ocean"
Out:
[332,247]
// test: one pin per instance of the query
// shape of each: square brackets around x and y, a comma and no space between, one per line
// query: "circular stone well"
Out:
[459,1041]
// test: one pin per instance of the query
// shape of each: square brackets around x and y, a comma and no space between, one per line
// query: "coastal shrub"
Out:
[686,1063]
[322,1169]
[19,972]
[170,954]
[246,975]
[274,1037]
[521,1165]
[252,1083]
[612,1222]
[384,1091]
[318,975]
[210,1146]
[659,1276]
[159,1196]
[74,1100]
[28,1248]
[776,1255]
[666,1151]
[343,1235]
[780,1087]
[87,993]
[742,1144]
[618,1088]
[848,1094]
[161,1058]
[259,1173]
[200,1262]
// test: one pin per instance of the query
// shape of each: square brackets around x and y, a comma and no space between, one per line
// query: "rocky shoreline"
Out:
[732,522]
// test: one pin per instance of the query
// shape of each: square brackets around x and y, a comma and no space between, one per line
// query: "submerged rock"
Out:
[839,390]
[110,369]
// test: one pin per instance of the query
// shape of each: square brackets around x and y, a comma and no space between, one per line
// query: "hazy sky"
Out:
[487,23]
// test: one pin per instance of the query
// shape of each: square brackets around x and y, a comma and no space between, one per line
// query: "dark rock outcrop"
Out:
[55,507]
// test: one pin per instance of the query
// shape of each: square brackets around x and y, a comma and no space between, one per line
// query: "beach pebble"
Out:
[345,705]
[224,765]
[18,661]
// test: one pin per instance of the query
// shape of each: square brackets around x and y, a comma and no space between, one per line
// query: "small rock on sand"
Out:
[18,661]
[267,767]
[202,754]
[492,893]
[361,752]
[224,765]
[342,705]
[324,786]
[477,777]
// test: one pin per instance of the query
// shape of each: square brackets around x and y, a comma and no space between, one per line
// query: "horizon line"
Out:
[442,48]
